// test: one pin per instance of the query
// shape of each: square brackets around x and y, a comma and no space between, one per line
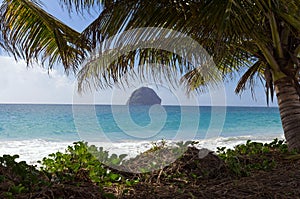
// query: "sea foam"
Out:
[36,149]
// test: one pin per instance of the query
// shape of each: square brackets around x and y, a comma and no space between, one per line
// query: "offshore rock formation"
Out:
[144,96]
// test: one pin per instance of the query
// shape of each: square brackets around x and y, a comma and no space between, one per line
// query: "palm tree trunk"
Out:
[289,107]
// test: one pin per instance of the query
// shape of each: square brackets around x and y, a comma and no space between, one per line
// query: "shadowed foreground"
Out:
[248,173]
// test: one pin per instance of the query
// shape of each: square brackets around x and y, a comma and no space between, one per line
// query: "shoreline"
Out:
[32,150]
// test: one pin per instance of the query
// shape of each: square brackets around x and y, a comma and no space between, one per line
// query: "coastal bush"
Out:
[18,177]
[157,145]
[179,146]
[245,158]
[82,162]
[104,157]
[157,157]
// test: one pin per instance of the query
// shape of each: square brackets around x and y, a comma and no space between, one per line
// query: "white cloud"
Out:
[20,84]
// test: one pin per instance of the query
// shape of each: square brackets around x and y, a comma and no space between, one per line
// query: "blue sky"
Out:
[34,85]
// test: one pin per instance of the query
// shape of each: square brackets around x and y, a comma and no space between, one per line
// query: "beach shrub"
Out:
[18,177]
[81,162]
[104,157]
[158,145]
[245,158]
[157,157]
[179,146]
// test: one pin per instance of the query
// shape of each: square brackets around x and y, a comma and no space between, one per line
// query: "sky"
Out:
[20,84]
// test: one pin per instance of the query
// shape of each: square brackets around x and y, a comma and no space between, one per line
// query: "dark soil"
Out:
[188,177]
[215,180]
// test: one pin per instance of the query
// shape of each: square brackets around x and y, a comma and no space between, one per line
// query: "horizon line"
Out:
[28,103]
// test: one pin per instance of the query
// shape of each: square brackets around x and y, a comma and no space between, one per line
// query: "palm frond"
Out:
[179,16]
[146,53]
[85,5]
[32,34]
[109,22]
[201,78]
[269,86]
[248,78]
[292,15]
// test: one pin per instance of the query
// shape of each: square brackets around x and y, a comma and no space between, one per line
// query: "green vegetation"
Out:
[81,164]
[19,176]
[251,156]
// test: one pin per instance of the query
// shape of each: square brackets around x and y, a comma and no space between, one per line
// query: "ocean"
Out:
[34,131]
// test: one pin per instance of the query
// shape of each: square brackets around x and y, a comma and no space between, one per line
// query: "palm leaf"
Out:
[84,5]
[173,15]
[269,86]
[157,54]
[292,17]
[30,33]
[247,78]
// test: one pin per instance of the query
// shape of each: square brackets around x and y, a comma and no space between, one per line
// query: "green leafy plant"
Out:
[251,156]
[20,176]
[82,162]
[157,145]
[104,157]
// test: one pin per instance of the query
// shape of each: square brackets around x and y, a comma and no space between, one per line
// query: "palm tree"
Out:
[261,36]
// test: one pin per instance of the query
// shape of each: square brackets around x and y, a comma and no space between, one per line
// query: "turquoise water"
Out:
[120,123]
[34,131]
